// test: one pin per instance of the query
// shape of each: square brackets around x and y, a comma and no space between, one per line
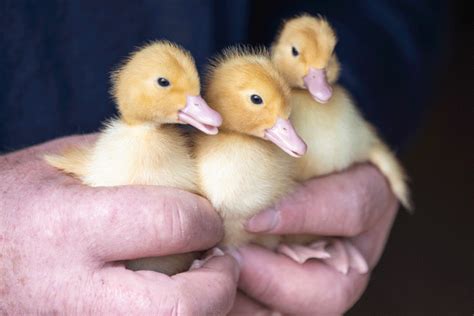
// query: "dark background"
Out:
[428,265]
[56,56]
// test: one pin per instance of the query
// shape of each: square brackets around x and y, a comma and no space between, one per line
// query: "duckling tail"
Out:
[381,156]
[72,161]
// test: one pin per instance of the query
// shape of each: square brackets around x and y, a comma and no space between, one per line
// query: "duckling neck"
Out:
[230,132]
[250,139]
[133,122]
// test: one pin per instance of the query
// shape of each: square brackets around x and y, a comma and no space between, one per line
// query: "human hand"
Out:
[61,244]
[357,204]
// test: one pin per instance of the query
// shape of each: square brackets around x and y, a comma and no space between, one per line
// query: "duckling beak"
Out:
[198,114]
[317,84]
[283,135]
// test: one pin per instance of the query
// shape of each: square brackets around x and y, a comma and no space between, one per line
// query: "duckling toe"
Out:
[338,253]
[301,253]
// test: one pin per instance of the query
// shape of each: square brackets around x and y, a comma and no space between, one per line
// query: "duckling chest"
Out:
[336,134]
[241,177]
[141,155]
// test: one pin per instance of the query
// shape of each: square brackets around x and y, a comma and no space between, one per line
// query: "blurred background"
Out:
[408,64]
[428,264]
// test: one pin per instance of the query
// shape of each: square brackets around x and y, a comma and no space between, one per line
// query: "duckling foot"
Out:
[301,254]
[335,252]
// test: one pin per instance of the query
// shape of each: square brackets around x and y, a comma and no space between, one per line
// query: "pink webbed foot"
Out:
[301,254]
[335,252]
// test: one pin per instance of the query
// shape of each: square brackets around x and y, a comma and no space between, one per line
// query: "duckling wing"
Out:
[72,161]
[381,156]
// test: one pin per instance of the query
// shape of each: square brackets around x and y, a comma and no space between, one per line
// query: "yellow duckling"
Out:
[158,86]
[326,118]
[244,169]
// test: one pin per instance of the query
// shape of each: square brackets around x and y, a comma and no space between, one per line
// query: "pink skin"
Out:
[198,114]
[356,204]
[59,241]
[337,253]
[317,84]
[284,135]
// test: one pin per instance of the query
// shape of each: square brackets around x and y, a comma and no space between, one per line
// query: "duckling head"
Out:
[252,97]
[159,84]
[304,53]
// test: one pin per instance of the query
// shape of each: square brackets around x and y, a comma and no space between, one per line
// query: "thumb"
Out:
[132,222]
[342,204]
[211,282]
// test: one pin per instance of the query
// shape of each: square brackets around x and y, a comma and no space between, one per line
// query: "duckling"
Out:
[327,119]
[157,87]
[248,166]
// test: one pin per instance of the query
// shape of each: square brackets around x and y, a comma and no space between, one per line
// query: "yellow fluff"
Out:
[141,146]
[240,172]
[336,133]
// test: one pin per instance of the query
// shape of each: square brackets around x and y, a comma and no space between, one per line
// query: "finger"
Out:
[342,204]
[211,288]
[30,161]
[244,305]
[131,222]
[284,285]
[372,243]
[59,144]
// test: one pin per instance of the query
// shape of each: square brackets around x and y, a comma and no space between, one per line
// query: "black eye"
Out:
[256,99]
[294,51]
[163,82]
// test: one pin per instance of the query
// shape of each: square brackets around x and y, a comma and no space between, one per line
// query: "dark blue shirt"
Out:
[56,56]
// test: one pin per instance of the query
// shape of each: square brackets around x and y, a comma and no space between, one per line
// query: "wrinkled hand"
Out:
[60,240]
[357,204]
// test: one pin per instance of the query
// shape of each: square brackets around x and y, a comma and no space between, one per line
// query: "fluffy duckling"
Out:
[156,87]
[326,118]
[247,166]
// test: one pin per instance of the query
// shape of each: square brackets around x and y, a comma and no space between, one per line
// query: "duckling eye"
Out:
[256,99]
[294,51]
[163,82]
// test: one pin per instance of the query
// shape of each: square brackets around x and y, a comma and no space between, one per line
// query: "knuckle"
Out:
[174,221]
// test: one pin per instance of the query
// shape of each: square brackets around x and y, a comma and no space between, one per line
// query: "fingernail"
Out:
[263,222]
[196,264]
[214,252]
[232,251]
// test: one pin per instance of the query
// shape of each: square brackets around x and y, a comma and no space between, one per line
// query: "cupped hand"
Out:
[61,244]
[357,204]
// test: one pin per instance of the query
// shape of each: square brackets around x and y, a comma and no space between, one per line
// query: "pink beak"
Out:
[198,114]
[317,84]
[283,135]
